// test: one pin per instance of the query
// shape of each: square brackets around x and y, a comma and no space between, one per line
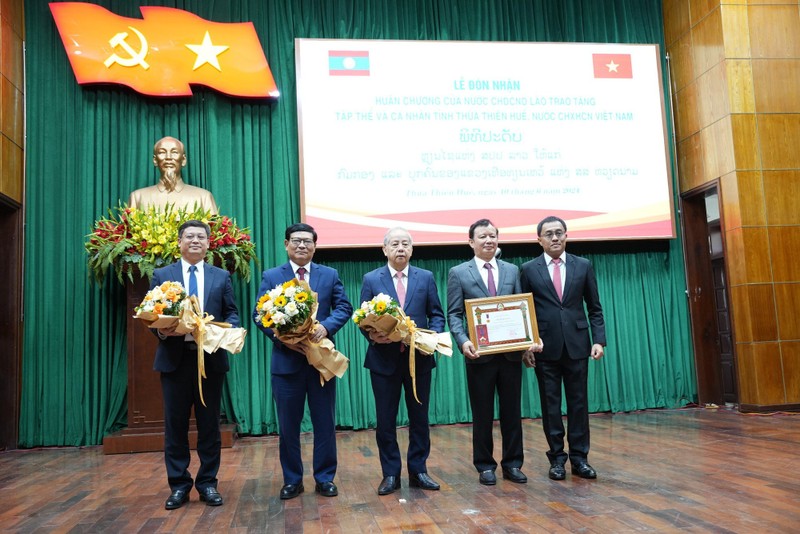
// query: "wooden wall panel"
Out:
[690,163]
[734,248]
[676,19]
[712,95]
[781,196]
[776,85]
[743,199]
[681,69]
[784,242]
[12,112]
[774,31]
[739,78]
[768,374]
[790,356]
[735,31]
[757,266]
[687,119]
[779,139]
[11,59]
[12,165]
[786,298]
[707,43]
[698,9]
[746,152]
[754,306]
[718,154]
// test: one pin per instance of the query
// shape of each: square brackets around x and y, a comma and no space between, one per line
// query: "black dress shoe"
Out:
[211,497]
[422,480]
[389,485]
[326,489]
[176,499]
[583,470]
[515,475]
[557,472]
[290,491]
[487,478]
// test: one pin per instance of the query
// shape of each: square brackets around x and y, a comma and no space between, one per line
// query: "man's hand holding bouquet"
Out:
[290,310]
[384,321]
[168,309]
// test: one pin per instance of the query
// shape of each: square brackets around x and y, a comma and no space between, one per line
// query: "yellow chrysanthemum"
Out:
[380,307]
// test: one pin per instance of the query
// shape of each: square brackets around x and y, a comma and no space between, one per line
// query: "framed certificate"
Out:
[502,324]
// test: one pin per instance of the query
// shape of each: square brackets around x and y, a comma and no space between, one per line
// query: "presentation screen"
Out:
[434,135]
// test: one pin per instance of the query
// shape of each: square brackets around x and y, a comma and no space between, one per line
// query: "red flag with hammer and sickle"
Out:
[164,52]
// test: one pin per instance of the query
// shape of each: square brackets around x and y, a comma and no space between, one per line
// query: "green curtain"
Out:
[88,147]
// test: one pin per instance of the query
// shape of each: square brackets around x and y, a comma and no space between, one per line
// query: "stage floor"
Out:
[691,470]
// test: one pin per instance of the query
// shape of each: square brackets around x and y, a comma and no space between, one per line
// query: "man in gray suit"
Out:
[480,277]
[561,284]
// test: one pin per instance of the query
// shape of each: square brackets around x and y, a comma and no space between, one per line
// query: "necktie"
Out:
[193,281]
[490,281]
[401,290]
[557,276]
[301,273]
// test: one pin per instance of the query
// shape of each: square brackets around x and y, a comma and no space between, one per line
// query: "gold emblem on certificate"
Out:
[502,324]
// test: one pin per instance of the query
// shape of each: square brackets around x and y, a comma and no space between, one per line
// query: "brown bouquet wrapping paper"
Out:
[210,335]
[404,330]
[323,356]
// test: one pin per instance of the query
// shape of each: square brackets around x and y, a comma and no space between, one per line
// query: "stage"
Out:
[689,470]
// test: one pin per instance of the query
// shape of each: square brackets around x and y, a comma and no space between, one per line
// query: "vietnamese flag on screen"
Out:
[164,52]
[612,66]
[348,62]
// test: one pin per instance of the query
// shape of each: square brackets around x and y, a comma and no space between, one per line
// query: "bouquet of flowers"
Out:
[167,306]
[290,310]
[133,239]
[384,314]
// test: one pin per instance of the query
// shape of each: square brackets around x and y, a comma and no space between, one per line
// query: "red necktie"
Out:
[401,290]
[301,273]
[557,277]
[490,281]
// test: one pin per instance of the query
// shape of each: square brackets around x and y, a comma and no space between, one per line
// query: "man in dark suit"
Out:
[415,291]
[294,379]
[480,277]
[176,359]
[561,284]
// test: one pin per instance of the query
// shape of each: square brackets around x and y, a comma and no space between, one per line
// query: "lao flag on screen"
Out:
[348,62]
[612,66]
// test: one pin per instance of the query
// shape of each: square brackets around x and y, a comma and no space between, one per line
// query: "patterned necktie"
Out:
[193,281]
[401,290]
[301,273]
[490,282]
[557,277]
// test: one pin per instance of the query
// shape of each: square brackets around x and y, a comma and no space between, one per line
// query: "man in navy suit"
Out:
[293,379]
[561,284]
[415,290]
[481,277]
[176,359]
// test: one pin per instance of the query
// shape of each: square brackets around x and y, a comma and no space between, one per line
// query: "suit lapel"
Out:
[411,286]
[472,269]
[208,283]
[570,266]
[541,268]
[387,284]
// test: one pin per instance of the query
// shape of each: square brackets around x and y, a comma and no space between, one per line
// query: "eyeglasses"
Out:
[550,235]
[192,237]
[297,242]
[398,244]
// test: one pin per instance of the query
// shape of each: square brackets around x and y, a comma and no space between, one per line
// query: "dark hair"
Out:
[480,222]
[193,223]
[301,227]
[549,219]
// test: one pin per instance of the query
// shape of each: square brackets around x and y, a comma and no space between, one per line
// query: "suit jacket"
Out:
[218,300]
[421,305]
[333,312]
[564,322]
[465,282]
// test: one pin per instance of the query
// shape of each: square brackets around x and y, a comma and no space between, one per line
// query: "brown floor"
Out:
[690,470]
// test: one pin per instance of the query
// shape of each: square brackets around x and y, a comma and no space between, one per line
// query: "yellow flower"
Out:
[380,307]
[280,300]
[301,296]
[290,283]
[267,321]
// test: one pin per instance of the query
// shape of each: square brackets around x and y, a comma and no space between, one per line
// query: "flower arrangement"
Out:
[286,307]
[381,304]
[131,239]
[165,299]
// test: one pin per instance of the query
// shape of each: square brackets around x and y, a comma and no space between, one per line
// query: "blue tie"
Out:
[192,281]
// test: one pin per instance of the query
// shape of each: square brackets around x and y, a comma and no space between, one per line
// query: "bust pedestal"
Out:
[145,431]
